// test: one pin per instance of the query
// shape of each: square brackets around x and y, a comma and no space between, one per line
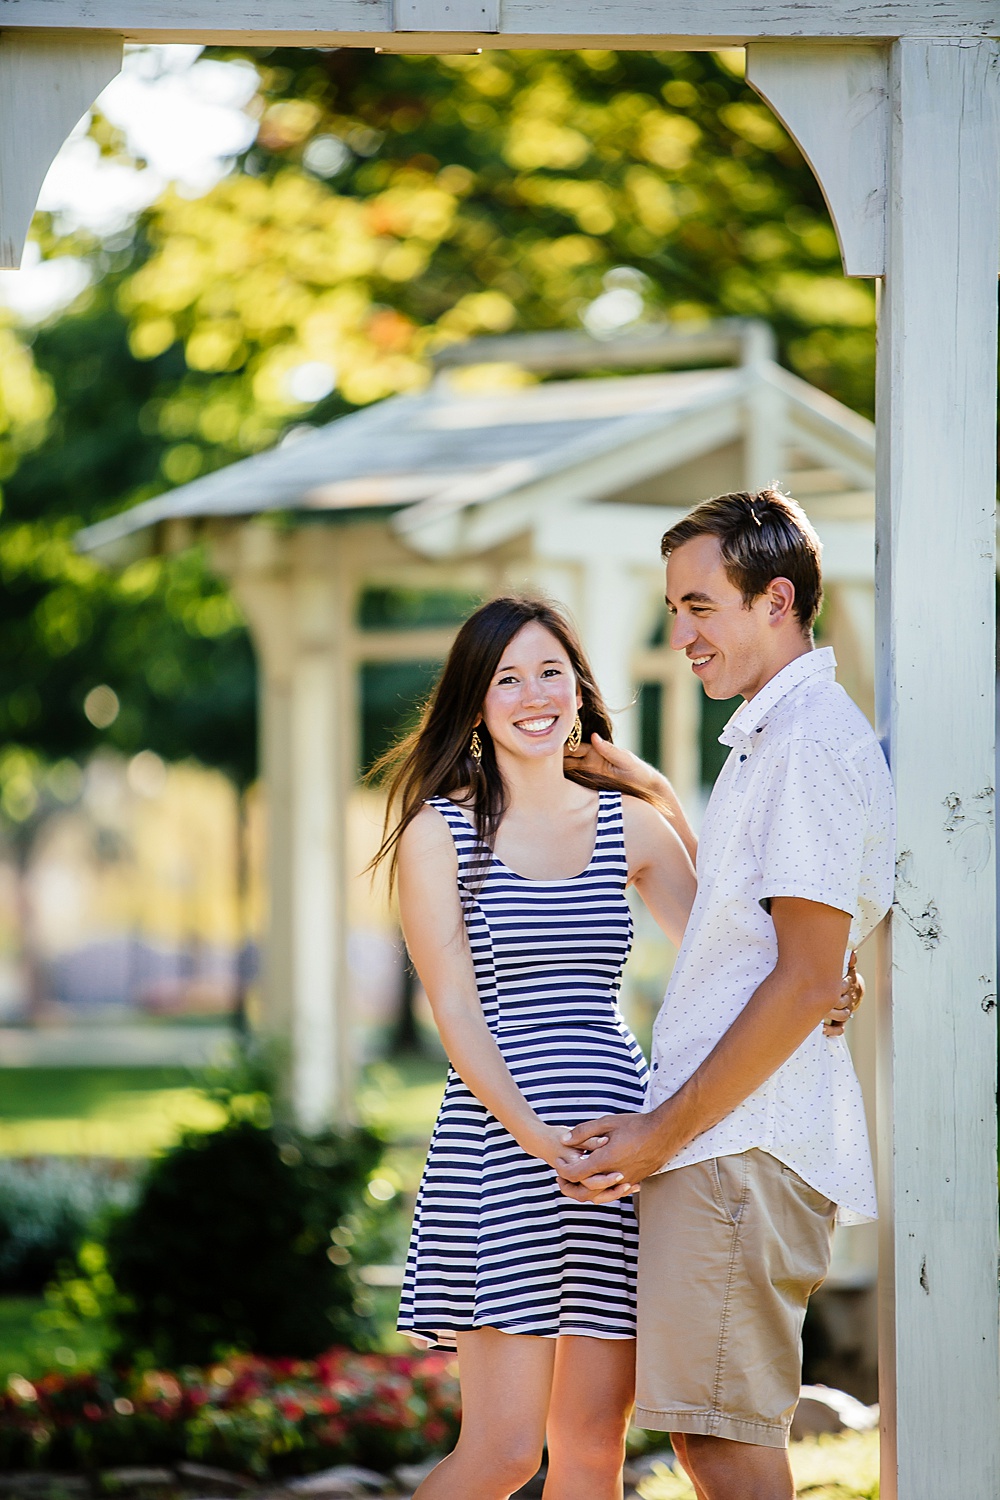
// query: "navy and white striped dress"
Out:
[495,1244]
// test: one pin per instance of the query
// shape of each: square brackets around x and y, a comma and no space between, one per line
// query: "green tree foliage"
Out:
[390,204]
[164,633]
[394,203]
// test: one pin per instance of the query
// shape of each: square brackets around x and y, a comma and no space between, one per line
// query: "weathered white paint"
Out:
[937,397]
[447,15]
[936,523]
[47,83]
[810,86]
[546,23]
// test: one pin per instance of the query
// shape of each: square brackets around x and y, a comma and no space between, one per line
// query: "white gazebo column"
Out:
[299,609]
[608,624]
[905,142]
[935,583]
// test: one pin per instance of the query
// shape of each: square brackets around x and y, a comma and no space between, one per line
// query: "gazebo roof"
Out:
[425,460]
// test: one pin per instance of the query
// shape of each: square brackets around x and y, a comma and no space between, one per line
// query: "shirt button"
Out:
[742,757]
[655,1066]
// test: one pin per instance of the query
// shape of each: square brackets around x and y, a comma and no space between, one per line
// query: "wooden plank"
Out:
[523,23]
[723,342]
[447,15]
[47,84]
[809,86]
[936,403]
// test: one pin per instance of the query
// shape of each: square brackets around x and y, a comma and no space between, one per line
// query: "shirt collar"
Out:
[750,716]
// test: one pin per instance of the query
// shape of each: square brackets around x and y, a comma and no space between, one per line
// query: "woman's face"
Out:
[533,697]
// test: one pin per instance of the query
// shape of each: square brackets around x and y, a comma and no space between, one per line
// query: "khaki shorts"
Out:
[730,1251]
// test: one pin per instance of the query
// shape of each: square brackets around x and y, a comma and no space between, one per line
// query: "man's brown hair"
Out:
[761,537]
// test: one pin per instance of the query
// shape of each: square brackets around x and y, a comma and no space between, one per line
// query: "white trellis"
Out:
[895,106]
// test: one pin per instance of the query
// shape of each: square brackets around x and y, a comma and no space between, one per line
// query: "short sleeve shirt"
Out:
[803,807]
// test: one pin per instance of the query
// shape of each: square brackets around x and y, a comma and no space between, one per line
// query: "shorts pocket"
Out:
[732,1183]
[810,1196]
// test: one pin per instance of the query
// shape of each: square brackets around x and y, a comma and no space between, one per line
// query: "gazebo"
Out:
[895,106]
[565,487]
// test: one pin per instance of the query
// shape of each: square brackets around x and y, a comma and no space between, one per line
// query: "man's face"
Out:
[729,645]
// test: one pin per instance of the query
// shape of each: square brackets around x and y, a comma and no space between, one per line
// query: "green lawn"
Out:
[98,1111]
[134,1112]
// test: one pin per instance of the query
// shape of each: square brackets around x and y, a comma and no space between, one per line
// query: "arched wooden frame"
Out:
[895,107]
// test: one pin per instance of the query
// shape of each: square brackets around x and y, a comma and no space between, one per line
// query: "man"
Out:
[754,1139]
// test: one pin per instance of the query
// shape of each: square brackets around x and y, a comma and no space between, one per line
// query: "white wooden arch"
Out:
[894,104]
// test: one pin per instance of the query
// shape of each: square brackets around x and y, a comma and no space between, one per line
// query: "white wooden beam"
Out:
[638,24]
[807,87]
[937,404]
[47,83]
[630,535]
[447,15]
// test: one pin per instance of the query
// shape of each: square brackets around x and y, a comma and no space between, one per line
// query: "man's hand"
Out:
[611,1171]
[602,758]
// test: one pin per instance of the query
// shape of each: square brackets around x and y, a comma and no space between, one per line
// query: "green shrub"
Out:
[47,1207]
[244,1239]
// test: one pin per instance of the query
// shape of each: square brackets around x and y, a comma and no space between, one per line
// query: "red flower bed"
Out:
[261,1416]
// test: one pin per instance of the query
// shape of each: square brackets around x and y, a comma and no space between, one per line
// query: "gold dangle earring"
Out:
[575,735]
[476,748]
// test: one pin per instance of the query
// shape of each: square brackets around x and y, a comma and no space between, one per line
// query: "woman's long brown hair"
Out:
[435,759]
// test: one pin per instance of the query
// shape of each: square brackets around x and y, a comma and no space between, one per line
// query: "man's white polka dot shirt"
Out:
[803,807]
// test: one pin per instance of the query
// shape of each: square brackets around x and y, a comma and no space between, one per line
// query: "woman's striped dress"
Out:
[495,1244]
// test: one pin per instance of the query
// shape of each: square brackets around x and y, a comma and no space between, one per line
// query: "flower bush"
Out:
[265,1417]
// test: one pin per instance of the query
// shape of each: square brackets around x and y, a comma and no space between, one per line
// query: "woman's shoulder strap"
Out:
[610,825]
[462,831]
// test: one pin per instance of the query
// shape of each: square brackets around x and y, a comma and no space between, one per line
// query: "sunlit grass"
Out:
[123,1122]
[842,1467]
[401,1098]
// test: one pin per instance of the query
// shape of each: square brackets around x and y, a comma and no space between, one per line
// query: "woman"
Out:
[512,862]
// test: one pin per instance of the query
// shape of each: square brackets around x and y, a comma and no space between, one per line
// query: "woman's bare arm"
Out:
[434,929]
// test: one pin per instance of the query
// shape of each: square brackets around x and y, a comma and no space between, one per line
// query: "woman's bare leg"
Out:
[593,1390]
[506,1382]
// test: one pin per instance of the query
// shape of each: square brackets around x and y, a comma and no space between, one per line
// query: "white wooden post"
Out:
[935,583]
[914,127]
[299,606]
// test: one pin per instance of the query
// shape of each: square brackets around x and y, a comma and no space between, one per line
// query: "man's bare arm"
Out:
[803,987]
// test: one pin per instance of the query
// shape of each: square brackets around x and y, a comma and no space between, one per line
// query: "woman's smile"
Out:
[537,727]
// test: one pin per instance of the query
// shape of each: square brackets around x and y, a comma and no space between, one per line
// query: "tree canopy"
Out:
[390,204]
